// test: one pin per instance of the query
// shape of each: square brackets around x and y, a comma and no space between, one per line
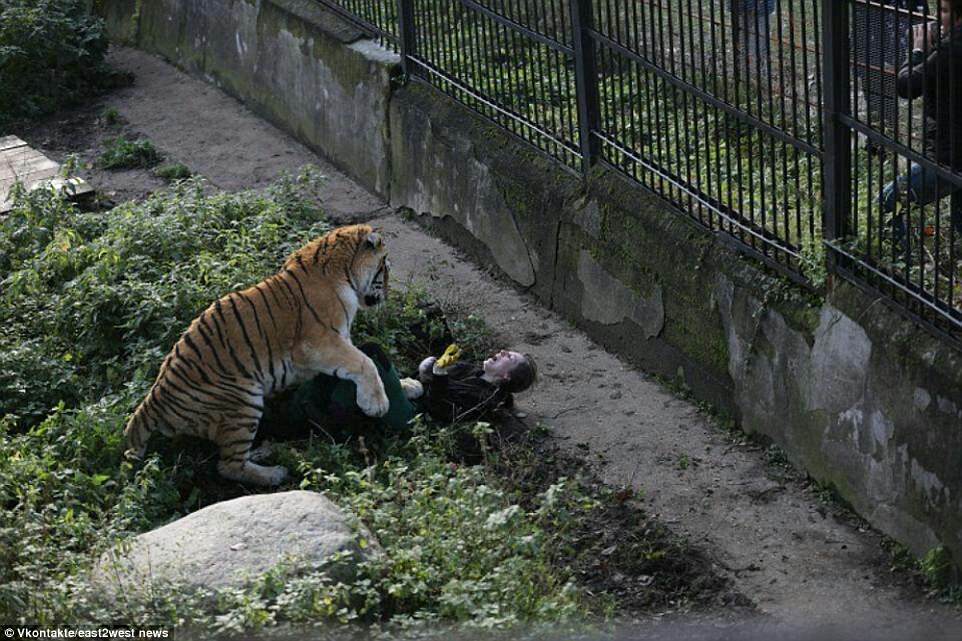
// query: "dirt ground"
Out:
[803,560]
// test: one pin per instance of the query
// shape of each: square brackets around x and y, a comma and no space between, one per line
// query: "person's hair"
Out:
[522,376]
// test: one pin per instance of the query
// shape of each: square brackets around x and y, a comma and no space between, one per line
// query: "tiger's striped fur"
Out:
[254,343]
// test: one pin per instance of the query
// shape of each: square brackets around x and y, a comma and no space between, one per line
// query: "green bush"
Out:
[173,171]
[51,54]
[91,302]
[120,153]
[110,116]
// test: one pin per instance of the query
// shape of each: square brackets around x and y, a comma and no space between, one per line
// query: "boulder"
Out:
[229,544]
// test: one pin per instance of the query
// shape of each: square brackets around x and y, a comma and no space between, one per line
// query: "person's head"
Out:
[513,371]
[950,13]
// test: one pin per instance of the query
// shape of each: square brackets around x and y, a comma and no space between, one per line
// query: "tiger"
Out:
[252,344]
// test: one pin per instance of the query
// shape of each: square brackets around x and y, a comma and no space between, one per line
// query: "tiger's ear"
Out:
[374,240]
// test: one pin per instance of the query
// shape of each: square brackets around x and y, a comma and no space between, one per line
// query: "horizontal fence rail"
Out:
[820,136]
[378,18]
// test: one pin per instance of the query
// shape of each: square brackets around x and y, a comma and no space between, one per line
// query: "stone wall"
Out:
[288,60]
[854,393]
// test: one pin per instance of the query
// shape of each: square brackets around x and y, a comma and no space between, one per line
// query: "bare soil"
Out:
[800,558]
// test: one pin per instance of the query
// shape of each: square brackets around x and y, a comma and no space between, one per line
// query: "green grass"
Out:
[121,153]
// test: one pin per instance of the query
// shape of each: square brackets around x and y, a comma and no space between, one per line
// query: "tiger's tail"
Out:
[138,430]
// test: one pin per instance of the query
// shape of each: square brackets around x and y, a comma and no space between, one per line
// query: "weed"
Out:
[110,116]
[173,171]
[121,153]
[937,568]
[935,571]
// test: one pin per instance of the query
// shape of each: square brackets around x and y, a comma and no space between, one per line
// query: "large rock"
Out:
[233,542]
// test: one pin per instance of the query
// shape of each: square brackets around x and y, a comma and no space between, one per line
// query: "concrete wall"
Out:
[289,60]
[855,394]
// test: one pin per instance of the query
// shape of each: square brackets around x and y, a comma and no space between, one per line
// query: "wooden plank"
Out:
[9,142]
[10,159]
[29,178]
[13,172]
[21,163]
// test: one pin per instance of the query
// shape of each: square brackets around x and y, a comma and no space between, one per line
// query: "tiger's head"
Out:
[355,254]
[371,271]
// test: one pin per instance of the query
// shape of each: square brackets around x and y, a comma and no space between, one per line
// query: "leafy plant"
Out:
[121,153]
[937,567]
[111,116]
[51,54]
[173,171]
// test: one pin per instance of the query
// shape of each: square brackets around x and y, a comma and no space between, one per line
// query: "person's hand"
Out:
[451,356]
[427,365]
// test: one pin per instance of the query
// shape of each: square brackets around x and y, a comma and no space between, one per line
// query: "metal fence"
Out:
[784,125]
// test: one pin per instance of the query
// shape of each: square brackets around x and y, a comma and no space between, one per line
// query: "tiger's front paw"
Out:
[374,402]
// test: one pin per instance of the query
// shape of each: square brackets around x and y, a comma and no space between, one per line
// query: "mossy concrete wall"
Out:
[854,393]
[291,61]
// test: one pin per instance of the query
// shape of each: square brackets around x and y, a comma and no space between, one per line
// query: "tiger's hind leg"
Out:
[261,453]
[237,458]
[243,470]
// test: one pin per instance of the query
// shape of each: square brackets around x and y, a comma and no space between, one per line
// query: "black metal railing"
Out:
[780,124]
[898,226]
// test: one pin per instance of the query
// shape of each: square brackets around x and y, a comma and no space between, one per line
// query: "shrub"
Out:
[90,304]
[51,54]
[110,116]
[173,171]
[120,153]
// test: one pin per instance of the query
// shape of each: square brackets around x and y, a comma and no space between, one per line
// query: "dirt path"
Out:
[193,123]
[800,560]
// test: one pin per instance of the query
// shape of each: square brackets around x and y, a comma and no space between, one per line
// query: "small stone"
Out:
[615,395]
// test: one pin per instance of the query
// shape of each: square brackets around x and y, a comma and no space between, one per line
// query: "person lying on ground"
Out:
[446,389]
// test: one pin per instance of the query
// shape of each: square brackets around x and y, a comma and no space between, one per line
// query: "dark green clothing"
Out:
[461,394]
[327,398]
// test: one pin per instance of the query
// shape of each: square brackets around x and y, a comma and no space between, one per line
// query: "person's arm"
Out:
[435,375]
[916,73]
[437,393]
[922,67]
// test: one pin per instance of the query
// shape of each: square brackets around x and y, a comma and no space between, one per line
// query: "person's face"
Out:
[501,364]
[948,17]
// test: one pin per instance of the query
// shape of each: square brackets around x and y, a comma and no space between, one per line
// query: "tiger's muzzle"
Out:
[377,291]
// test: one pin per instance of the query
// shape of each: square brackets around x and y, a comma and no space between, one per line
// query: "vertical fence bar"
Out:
[586,80]
[837,166]
[407,31]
